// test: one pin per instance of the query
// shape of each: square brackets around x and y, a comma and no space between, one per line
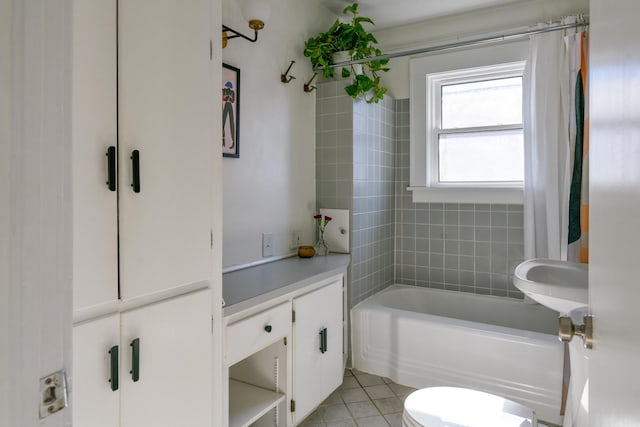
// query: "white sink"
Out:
[559,285]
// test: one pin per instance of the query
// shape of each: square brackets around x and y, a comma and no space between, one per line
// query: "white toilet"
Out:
[463,407]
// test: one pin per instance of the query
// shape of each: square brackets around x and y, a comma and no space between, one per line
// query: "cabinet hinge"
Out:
[211,239]
[293,316]
[293,405]
[285,340]
[211,50]
[211,325]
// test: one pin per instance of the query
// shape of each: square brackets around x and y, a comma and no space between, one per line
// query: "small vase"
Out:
[321,246]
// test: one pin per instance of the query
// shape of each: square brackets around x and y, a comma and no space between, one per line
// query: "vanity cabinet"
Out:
[142,141]
[285,355]
[148,366]
[317,347]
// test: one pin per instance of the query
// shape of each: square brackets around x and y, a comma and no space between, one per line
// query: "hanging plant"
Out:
[353,38]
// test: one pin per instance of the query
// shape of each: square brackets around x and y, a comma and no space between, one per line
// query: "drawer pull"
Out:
[268,328]
[113,356]
[323,341]
[135,167]
[111,168]
[135,360]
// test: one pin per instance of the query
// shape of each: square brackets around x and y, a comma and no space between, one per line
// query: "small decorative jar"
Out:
[306,251]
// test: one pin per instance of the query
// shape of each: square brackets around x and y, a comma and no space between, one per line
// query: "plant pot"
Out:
[344,56]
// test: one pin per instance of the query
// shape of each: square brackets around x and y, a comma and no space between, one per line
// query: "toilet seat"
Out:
[462,407]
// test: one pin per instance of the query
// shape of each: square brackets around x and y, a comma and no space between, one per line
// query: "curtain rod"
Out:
[472,42]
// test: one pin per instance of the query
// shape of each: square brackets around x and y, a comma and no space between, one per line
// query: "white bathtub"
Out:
[422,337]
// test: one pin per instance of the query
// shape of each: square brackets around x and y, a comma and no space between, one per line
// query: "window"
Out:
[474,127]
[467,143]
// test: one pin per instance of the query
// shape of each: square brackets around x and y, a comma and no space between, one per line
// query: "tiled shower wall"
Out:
[458,247]
[355,170]
[362,164]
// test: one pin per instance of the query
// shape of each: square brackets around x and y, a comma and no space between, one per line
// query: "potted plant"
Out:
[353,38]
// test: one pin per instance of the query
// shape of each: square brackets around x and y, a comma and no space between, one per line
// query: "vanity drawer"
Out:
[256,332]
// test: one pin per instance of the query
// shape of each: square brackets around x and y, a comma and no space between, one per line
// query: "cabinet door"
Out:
[94,130]
[94,402]
[316,374]
[165,110]
[174,386]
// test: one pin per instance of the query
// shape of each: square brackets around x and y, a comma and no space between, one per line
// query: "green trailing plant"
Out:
[361,44]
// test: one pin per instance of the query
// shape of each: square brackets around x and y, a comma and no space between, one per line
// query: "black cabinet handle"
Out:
[323,340]
[113,370]
[135,169]
[268,328]
[135,360]
[112,180]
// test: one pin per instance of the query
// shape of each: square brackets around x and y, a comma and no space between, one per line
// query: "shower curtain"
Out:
[556,156]
[553,129]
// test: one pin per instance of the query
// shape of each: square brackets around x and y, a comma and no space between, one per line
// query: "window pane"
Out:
[482,103]
[482,156]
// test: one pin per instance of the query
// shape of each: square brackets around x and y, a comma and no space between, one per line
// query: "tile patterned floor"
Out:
[362,400]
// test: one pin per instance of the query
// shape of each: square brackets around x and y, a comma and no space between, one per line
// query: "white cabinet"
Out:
[141,85]
[142,107]
[172,367]
[95,397]
[285,355]
[317,347]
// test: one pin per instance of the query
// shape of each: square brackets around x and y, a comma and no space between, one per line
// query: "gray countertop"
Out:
[242,289]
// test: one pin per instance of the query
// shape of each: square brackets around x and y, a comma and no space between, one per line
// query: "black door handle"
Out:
[112,180]
[135,360]
[135,170]
[113,369]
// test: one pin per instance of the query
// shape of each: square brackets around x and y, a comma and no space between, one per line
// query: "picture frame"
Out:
[230,111]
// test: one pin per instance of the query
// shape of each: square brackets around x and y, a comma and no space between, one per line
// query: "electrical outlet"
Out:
[294,239]
[267,245]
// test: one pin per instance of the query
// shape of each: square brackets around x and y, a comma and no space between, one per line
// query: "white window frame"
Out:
[428,74]
[435,82]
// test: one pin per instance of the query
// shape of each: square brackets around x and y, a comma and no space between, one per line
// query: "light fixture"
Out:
[256,12]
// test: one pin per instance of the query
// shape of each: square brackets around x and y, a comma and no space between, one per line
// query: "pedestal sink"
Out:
[559,285]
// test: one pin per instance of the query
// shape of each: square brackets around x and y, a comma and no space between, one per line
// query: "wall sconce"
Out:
[256,12]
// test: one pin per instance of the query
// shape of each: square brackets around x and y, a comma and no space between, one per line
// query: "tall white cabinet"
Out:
[143,144]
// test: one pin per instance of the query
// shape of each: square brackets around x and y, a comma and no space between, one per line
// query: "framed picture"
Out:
[230,111]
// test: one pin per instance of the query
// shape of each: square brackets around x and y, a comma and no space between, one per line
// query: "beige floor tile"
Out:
[349,382]
[354,395]
[389,405]
[343,423]
[379,392]
[394,420]
[362,409]
[335,413]
[378,421]
[348,372]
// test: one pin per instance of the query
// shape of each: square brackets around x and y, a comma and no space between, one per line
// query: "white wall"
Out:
[271,187]
[5,130]
[491,21]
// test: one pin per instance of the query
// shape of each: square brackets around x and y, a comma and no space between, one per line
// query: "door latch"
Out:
[53,394]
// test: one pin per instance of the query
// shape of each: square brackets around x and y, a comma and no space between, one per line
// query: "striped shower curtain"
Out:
[578,47]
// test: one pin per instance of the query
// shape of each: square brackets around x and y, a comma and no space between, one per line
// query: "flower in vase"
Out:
[321,246]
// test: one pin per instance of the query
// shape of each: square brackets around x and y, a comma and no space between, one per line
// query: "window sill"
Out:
[467,195]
